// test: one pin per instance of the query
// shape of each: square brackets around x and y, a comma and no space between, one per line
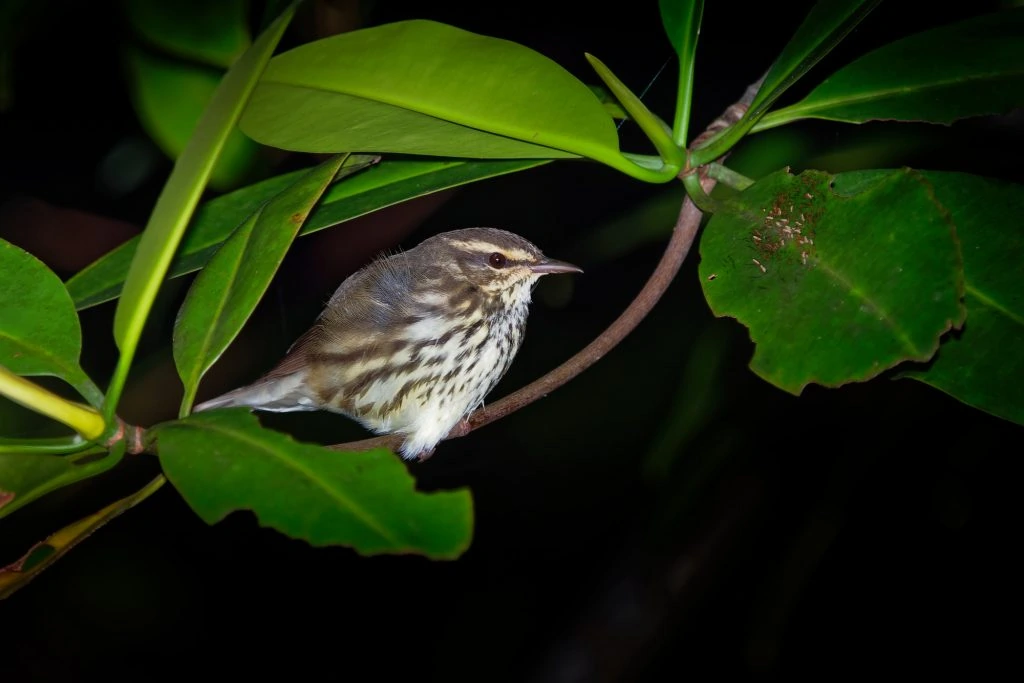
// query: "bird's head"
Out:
[497,262]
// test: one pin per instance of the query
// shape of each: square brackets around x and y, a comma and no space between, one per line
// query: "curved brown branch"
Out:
[676,251]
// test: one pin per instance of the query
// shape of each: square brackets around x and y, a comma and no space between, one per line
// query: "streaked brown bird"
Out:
[412,343]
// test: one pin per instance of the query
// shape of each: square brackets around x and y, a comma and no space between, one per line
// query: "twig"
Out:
[675,253]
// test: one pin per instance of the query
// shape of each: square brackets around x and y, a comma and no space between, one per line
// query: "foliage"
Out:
[839,278]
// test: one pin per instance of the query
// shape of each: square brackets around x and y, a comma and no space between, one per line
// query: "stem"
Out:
[725,131]
[697,195]
[729,177]
[83,419]
[188,399]
[675,253]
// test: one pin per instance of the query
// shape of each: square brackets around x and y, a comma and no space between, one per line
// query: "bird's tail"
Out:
[279,394]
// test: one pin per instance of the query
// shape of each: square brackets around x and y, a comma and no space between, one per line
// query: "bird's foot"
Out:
[461,428]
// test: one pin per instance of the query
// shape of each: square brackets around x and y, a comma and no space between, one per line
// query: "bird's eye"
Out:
[497,260]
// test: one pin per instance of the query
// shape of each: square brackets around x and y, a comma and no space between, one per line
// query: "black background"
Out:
[846,532]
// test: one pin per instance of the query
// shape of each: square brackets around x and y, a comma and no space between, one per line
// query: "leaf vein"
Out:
[883,314]
[357,510]
[993,304]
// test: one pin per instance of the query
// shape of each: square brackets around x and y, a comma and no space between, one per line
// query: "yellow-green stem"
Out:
[83,419]
[704,202]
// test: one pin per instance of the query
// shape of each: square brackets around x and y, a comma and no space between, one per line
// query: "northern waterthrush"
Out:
[412,343]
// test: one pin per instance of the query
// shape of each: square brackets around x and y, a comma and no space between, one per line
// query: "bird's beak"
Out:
[550,265]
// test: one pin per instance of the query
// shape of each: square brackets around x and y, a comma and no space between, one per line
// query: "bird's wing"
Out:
[371,300]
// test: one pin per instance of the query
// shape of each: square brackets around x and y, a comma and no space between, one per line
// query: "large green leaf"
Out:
[169,96]
[39,330]
[226,292]
[24,477]
[213,33]
[983,366]
[970,68]
[391,182]
[828,22]
[838,278]
[222,461]
[420,87]
[180,196]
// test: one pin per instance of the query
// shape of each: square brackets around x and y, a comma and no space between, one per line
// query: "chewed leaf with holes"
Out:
[838,278]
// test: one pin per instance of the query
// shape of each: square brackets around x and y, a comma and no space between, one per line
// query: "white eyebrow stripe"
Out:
[515,253]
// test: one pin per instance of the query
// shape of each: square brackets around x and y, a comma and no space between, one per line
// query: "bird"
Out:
[412,343]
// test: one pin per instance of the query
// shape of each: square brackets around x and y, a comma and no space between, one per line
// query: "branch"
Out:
[683,236]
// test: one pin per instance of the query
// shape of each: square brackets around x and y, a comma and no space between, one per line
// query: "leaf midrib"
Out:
[358,511]
[508,132]
[994,305]
[886,317]
[835,101]
[197,368]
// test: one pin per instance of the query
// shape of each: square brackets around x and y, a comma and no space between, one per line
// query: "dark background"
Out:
[666,515]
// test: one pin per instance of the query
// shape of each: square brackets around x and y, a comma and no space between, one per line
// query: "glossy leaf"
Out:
[39,329]
[179,197]
[391,182]
[222,461]
[213,33]
[970,68]
[169,96]
[420,87]
[828,22]
[838,278]
[982,366]
[682,19]
[43,554]
[25,477]
[226,292]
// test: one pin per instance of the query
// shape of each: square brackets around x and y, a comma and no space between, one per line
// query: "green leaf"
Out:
[179,197]
[222,461]
[828,22]
[39,330]
[682,19]
[213,33]
[40,556]
[25,477]
[970,68]
[420,87]
[391,182]
[672,158]
[169,96]
[226,292]
[838,278]
[983,366]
